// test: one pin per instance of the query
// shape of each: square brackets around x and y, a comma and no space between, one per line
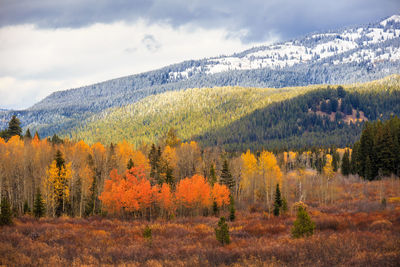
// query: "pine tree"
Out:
[26,207]
[215,208]
[38,206]
[213,176]
[302,226]
[28,134]
[14,127]
[91,205]
[59,160]
[130,164]
[154,158]
[226,176]
[284,205]
[335,161]
[385,151]
[222,232]
[169,178]
[368,173]
[232,210]
[37,134]
[346,168]
[278,201]
[5,215]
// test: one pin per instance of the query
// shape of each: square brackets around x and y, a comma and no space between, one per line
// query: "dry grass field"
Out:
[340,239]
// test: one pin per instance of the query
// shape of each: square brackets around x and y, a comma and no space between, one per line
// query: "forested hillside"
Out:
[238,118]
[323,117]
[190,112]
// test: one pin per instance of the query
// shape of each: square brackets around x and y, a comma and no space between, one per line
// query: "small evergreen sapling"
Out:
[5,215]
[147,234]
[302,226]
[222,232]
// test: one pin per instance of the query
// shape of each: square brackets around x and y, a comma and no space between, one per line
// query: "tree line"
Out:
[56,176]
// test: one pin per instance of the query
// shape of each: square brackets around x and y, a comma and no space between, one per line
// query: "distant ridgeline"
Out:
[238,118]
[353,54]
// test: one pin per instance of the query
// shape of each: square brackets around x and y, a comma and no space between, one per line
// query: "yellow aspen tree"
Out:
[250,168]
[56,187]
[328,175]
[270,174]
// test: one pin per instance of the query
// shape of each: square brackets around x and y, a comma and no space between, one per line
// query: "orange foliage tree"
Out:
[129,193]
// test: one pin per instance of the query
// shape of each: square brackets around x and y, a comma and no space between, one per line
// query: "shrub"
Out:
[147,233]
[222,232]
[6,215]
[302,226]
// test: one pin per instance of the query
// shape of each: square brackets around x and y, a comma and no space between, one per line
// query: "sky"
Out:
[52,45]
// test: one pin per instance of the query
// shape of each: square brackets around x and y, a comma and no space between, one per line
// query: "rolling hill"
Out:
[240,117]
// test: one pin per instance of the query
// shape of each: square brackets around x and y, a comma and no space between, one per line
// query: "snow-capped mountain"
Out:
[353,54]
[350,45]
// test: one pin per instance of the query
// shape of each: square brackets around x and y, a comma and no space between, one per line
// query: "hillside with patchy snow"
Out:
[353,54]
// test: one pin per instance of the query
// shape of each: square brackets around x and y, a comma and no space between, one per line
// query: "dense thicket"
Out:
[377,153]
[320,118]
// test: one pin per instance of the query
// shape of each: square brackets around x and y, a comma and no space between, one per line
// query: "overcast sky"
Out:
[51,45]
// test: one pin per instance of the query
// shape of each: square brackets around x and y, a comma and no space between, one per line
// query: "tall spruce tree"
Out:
[213,176]
[346,167]
[38,205]
[278,201]
[14,127]
[226,176]
[232,210]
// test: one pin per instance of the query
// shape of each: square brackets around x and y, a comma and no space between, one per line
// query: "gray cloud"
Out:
[150,42]
[258,18]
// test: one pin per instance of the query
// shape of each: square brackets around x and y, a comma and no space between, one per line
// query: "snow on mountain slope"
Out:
[353,41]
[353,54]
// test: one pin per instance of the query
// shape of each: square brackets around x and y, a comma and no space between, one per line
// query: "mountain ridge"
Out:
[377,56]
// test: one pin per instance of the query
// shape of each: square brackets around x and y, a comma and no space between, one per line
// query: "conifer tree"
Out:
[213,176]
[28,134]
[37,134]
[335,161]
[215,209]
[26,207]
[226,176]
[169,178]
[346,168]
[222,232]
[130,164]
[284,205]
[302,226]
[14,127]
[38,205]
[232,210]
[6,214]
[278,201]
